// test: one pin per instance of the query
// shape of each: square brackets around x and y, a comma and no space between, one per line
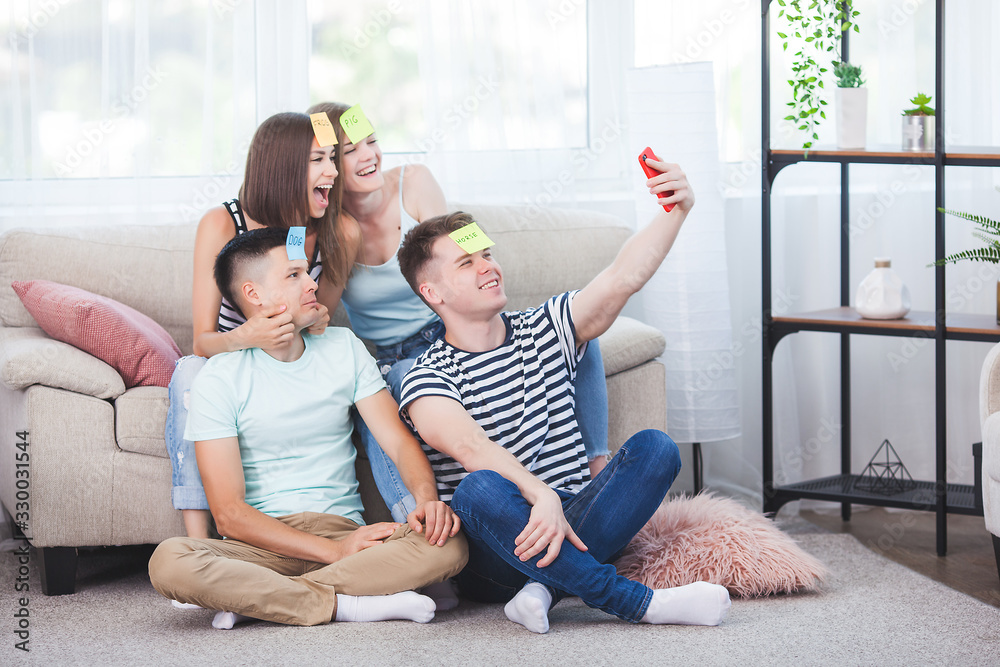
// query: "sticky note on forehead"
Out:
[295,244]
[355,124]
[471,238]
[325,134]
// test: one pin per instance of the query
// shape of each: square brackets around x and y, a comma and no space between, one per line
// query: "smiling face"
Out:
[287,282]
[467,285]
[322,174]
[362,165]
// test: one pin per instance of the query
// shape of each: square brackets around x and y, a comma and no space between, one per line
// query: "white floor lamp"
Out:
[672,109]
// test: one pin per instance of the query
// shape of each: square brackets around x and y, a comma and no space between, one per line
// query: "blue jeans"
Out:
[396,359]
[606,515]
[188,492]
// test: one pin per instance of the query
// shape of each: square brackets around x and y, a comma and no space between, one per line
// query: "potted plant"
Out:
[852,106]
[918,125]
[989,233]
[816,26]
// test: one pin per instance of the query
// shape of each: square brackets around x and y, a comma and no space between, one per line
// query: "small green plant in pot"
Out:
[918,124]
[816,28]
[852,106]
[988,231]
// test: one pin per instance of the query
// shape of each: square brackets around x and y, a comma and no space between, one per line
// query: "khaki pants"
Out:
[235,576]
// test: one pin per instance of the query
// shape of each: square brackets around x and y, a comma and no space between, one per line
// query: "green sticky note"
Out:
[471,238]
[355,124]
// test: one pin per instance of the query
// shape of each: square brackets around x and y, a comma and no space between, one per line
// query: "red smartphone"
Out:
[650,173]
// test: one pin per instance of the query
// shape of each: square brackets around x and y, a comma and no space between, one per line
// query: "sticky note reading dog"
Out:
[471,238]
[295,244]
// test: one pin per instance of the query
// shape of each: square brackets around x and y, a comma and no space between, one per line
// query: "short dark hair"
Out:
[242,252]
[418,244]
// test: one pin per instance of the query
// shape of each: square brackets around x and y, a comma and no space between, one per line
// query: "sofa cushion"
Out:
[28,356]
[130,342]
[629,343]
[140,415]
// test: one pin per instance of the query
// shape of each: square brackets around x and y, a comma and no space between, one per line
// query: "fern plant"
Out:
[988,233]
[817,26]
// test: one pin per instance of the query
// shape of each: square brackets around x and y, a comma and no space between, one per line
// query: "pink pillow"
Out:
[130,342]
[716,539]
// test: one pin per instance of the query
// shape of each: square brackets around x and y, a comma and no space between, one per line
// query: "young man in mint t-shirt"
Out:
[272,432]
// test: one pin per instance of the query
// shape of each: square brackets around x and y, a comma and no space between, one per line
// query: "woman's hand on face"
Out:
[268,328]
[321,323]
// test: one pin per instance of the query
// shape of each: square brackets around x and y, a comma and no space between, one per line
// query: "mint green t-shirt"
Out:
[292,419]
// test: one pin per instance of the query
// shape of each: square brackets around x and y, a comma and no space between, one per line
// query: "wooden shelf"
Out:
[958,326]
[973,156]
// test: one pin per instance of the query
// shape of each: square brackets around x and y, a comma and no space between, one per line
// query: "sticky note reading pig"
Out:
[355,124]
[295,245]
[471,238]
[325,134]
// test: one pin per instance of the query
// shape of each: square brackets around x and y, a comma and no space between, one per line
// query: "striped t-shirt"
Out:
[520,393]
[229,316]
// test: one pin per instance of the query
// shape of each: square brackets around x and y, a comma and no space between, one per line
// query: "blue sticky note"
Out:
[295,246]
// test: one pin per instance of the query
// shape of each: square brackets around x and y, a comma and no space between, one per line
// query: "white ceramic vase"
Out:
[882,295]
[852,117]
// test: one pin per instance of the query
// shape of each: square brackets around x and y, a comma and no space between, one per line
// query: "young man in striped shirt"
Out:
[493,405]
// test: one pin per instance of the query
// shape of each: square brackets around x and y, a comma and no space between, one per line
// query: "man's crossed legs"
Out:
[606,515]
[237,577]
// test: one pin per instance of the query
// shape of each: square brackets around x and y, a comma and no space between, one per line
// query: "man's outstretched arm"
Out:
[381,413]
[225,486]
[444,424]
[597,305]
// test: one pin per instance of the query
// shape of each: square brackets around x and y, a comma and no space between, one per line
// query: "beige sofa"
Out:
[99,473]
[989,415]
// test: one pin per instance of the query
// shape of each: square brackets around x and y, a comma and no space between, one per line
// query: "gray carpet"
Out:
[872,611]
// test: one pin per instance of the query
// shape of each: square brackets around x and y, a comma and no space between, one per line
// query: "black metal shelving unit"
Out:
[936,495]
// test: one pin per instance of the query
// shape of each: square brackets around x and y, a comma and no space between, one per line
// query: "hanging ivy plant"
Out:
[816,30]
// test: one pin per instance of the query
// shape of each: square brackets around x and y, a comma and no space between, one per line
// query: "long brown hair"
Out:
[275,192]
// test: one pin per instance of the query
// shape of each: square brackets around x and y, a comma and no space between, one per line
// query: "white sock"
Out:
[530,607]
[184,605]
[225,620]
[405,606]
[443,595]
[700,603]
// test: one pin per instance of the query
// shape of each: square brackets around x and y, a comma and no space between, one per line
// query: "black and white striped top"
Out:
[520,393]
[229,316]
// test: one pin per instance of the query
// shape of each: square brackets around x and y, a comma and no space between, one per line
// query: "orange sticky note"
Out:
[355,124]
[471,238]
[325,134]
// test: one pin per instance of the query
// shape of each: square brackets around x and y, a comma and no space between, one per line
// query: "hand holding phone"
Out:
[648,154]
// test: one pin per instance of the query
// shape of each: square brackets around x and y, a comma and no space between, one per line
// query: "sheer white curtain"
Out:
[117,111]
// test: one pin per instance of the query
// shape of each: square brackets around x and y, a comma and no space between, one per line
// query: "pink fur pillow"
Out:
[706,538]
